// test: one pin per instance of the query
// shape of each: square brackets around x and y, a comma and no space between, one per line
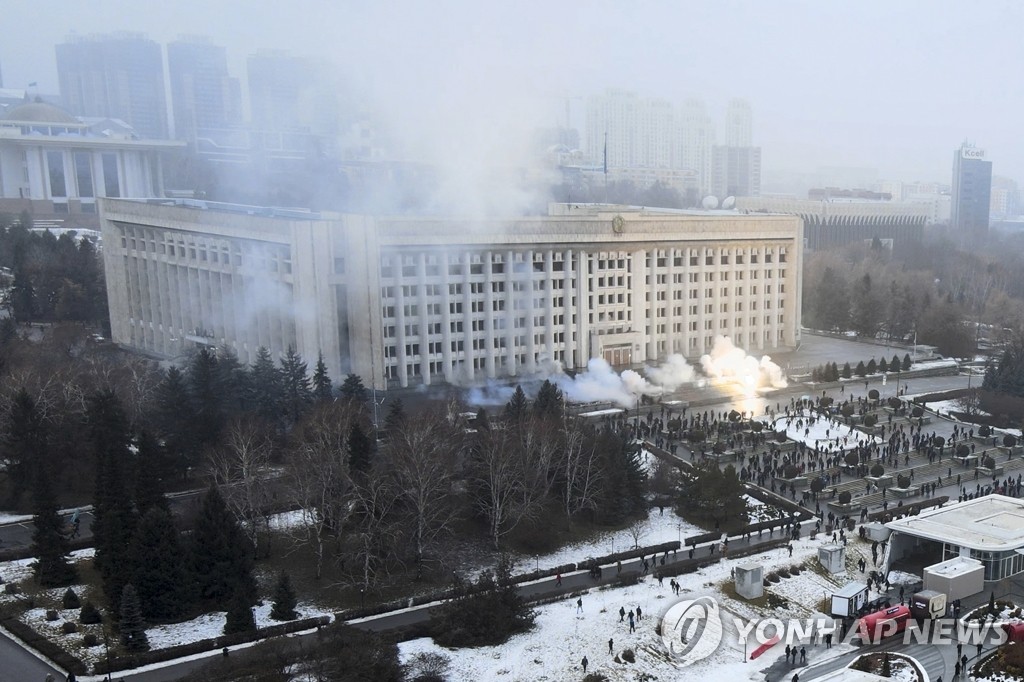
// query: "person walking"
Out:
[558,580]
[611,645]
[584,663]
[803,654]
[632,623]
[640,615]
[579,605]
[622,614]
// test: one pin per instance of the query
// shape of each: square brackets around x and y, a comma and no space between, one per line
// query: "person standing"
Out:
[584,663]
[611,644]
[579,605]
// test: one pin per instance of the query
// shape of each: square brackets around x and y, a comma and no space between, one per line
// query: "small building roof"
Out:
[40,112]
[851,589]
[993,523]
[954,567]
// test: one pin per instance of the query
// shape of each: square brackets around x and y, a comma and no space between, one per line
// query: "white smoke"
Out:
[600,383]
[672,373]
[726,361]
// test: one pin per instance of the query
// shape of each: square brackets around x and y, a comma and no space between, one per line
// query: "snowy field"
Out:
[554,649]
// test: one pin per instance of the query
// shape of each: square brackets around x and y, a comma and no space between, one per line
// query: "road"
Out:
[19,535]
[19,665]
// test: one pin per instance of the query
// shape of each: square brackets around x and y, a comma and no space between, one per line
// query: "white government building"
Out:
[404,301]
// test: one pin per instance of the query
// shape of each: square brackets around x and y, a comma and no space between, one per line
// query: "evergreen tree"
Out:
[175,420]
[872,366]
[113,524]
[894,364]
[239,616]
[883,365]
[148,465]
[360,450]
[847,372]
[233,378]
[24,443]
[549,403]
[395,419]
[861,369]
[623,479]
[221,554]
[714,495]
[132,624]
[323,391]
[204,382]
[266,387]
[352,389]
[483,422]
[486,615]
[833,372]
[284,599]
[296,389]
[49,544]
[517,407]
[158,570]
[907,363]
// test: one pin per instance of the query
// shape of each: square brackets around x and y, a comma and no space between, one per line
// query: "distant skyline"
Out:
[890,86]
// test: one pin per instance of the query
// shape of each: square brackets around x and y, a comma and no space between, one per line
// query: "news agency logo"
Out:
[692,630]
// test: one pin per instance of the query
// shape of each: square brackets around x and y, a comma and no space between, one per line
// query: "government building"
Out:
[408,301]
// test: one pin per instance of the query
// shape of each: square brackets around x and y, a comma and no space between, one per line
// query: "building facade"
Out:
[972,189]
[115,76]
[837,222]
[55,165]
[410,301]
[736,172]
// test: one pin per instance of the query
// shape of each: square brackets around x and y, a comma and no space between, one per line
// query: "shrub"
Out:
[697,436]
[817,485]
[962,450]
[718,448]
[917,412]
[1009,441]
[68,628]
[791,471]
[89,615]
[51,615]
[71,600]
[988,462]
[985,431]
[845,497]
[628,656]
[90,640]
[826,402]
[847,410]
[851,459]
[877,470]
[873,394]
[894,403]
[780,436]
[903,481]
[870,420]
[756,426]
[11,588]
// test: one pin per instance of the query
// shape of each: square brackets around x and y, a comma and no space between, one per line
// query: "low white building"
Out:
[989,529]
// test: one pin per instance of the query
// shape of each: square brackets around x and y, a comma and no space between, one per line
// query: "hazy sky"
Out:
[891,85]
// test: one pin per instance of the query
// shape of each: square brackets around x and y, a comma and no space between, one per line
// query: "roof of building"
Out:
[40,112]
[954,567]
[993,523]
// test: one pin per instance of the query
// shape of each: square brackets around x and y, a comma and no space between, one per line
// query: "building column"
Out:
[421,287]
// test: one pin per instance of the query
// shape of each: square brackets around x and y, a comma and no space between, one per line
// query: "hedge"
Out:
[631,554]
[119,663]
[44,646]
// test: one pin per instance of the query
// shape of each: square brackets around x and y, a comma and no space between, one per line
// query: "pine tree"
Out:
[233,378]
[549,403]
[395,419]
[206,391]
[296,390]
[883,366]
[360,450]
[323,391]
[483,422]
[265,385]
[24,443]
[847,372]
[284,599]
[833,372]
[861,369]
[132,624]
[907,363]
[872,366]
[239,616]
[158,570]
[517,407]
[221,554]
[894,364]
[148,465]
[175,420]
[49,544]
[113,524]
[353,390]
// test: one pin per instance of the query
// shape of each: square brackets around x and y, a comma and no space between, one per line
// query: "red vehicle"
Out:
[876,626]
[1014,631]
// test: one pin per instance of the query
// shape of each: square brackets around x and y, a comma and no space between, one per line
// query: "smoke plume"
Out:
[726,361]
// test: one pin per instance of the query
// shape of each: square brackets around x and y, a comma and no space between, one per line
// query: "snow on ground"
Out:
[758,511]
[287,520]
[562,637]
[821,433]
[210,625]
[7,517]
[944,407]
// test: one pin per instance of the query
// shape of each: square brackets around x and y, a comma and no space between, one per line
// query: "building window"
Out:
[55,166]
[111,181]
[83,173]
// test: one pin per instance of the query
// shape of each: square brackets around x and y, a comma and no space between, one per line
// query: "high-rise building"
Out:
[736,171]
[115,76]
[203,94]
[696,137]
[972,190]
[739,124]
[290,93]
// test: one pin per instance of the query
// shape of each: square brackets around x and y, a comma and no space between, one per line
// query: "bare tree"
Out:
[580,471]
[498,473]
[637,530]
[241,468]
[421,457]
[376,500]
[318,475]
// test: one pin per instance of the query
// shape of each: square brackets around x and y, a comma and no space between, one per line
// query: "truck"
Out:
[849,600]
[928,605]
[875,627]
